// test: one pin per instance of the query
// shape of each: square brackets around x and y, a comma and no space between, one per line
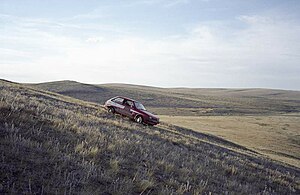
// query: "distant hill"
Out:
[53,144]
[186,101]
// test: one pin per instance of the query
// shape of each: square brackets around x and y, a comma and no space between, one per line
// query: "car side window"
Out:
[118,100]
[129,103]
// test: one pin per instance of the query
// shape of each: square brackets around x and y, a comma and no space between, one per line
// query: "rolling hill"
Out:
[51,143]
[186,101]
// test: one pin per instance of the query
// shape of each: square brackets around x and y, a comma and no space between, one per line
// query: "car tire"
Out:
[111,110]
[139,119]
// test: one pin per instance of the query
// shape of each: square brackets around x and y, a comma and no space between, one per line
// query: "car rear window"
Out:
[118,100]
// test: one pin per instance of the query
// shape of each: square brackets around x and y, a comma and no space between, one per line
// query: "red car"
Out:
[132,109]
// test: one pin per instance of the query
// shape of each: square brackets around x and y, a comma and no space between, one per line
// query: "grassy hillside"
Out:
[185,101]
[248,109]
[55,144]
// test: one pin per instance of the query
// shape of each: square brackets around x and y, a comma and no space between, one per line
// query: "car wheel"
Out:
[139,119]
[111,110]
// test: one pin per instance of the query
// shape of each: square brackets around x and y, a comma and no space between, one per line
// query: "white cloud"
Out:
[256,19]
[265,53]
[95,40]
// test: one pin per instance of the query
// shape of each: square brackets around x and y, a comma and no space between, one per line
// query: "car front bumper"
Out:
[152,121]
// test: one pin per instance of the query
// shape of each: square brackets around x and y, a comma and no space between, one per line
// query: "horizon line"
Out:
[145,85]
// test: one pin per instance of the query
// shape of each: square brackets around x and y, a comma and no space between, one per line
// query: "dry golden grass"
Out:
[275,136]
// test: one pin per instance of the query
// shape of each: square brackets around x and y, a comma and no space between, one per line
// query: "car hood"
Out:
[149,113]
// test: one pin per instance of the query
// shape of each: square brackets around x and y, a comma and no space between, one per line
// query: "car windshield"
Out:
[139,106]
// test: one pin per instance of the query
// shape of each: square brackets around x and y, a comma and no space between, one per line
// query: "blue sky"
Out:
[168,43]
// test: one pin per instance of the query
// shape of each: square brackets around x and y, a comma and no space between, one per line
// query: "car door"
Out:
[128,104]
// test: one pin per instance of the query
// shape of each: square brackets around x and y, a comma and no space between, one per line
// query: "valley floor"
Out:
[278,137]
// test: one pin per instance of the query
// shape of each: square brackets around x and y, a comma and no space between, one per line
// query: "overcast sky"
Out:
[167,43]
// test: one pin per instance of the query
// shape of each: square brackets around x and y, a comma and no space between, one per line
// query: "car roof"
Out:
[125,98]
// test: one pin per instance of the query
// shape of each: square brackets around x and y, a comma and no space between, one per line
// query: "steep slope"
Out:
[55,144]
[187,101]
